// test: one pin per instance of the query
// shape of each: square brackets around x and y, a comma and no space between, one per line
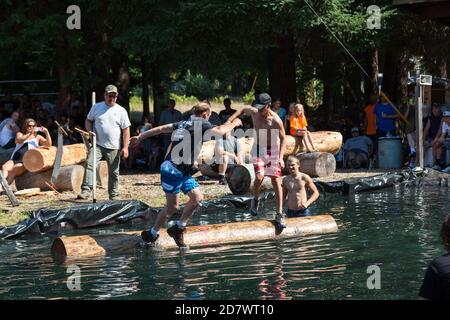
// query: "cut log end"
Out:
[34,160]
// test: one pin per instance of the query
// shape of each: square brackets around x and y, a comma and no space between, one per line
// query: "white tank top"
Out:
[6,135]
[32,144]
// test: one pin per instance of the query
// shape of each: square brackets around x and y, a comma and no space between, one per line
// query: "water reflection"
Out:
[396,229]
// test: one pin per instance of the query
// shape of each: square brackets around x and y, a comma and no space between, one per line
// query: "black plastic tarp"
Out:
[54,221]
[358,185]
[79,217]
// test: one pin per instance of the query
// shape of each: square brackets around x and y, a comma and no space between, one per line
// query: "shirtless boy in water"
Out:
[294,187]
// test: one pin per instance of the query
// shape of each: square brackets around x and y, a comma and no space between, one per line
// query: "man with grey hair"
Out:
[108,121]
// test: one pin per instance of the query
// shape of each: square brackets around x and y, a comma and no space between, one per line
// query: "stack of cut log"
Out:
[39,164]
[316,164]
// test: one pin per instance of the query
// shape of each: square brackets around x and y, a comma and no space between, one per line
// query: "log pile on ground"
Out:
[69,178]
[42,159]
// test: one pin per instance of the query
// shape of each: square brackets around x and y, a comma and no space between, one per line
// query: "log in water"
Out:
[196,236]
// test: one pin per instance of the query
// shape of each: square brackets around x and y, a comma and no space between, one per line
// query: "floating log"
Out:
[317,164]
[41,159]
[198,236]
[69,178]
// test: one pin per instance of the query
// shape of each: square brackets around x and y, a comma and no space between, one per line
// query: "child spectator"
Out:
[298,129]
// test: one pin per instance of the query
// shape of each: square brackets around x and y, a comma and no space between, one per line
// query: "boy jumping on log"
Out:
[294,187]
[268,151]
[178,168]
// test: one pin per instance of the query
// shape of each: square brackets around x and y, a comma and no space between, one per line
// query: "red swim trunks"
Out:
[267,163]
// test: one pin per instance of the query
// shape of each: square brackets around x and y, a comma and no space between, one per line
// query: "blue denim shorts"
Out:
[173,181]
[298,213]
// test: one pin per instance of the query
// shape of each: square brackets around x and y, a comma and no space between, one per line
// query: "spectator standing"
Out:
[108,121]
[171,115]
[228,112]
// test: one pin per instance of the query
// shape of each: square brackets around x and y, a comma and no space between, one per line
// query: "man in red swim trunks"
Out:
[268,150]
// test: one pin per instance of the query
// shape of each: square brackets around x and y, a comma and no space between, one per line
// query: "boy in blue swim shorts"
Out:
[179,166]
[295,186]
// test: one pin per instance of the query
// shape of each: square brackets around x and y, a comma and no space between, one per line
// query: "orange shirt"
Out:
[297,123]
[371,120]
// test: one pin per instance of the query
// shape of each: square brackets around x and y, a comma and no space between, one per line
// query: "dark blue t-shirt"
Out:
[436,284]
[189,131]
[382,123]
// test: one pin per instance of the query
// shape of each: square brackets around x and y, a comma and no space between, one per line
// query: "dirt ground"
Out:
[143,186]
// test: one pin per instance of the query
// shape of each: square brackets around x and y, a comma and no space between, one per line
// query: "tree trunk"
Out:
[195,236]
[371,83]
[282,76]
[37,160]
[124,84]
[63,64]
[145,84]
[158,90]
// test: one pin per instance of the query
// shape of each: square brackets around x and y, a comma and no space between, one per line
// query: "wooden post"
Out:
[419,127]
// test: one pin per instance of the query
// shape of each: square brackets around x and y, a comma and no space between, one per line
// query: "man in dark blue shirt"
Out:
[386,117]
[436,284]
[179,166]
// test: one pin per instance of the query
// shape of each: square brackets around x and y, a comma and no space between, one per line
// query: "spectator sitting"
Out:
[215,119]
[432,126]
[9,130]
[436,283]
[442,140]
[287,119]
[169,116]
[228,112]
[280,111]
[26,139]
[228,153]
[357,150]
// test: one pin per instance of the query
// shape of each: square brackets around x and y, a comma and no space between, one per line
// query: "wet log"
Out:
[69,178]
[41,159]
[197,236]
[317,164]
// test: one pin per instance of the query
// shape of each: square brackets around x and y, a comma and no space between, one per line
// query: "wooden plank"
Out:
[12,198]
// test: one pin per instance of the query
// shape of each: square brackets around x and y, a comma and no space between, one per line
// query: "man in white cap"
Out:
[109,121]
[357,150]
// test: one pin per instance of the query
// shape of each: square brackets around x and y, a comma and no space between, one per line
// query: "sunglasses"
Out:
[112,96]
[31,125]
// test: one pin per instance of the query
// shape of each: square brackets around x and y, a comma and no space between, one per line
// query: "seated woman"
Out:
[26,139]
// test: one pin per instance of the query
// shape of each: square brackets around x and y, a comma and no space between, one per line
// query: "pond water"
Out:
[395,229]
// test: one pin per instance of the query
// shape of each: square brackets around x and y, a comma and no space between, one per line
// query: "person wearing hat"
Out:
[268,151]
[441,141]
[109,122]
[357,150]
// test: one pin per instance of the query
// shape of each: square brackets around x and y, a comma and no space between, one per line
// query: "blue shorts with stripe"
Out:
[173,181]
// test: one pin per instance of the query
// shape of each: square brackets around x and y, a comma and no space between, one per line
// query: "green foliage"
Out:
[197,85]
